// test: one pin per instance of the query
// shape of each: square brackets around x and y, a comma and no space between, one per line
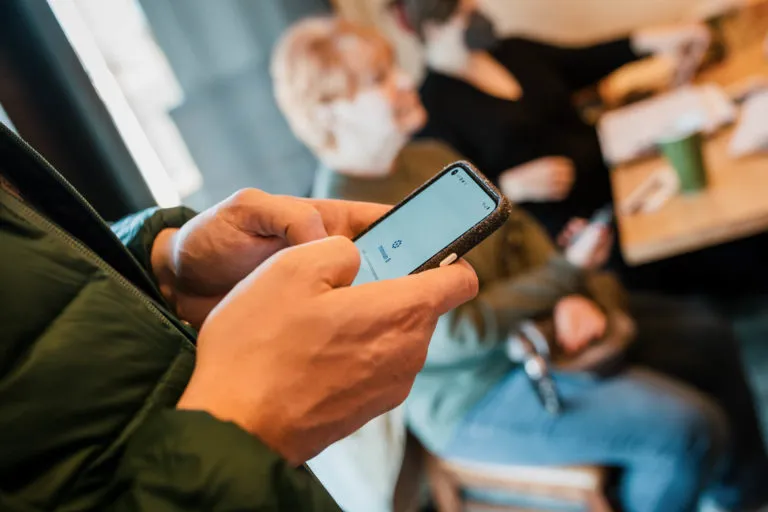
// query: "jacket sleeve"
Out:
[501,306]
[583,66]
[448,122]
[189,461]
[138,231]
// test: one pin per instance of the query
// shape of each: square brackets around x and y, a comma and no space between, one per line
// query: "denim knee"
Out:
[703,439]
[686,463]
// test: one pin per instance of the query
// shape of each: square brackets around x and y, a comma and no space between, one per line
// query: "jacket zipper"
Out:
[79,246]
[92,257]
[51,170]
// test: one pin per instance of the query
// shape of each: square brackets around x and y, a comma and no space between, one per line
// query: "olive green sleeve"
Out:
[138,231]
[190,461]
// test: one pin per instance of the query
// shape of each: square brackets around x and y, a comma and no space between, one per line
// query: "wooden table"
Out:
[735,204]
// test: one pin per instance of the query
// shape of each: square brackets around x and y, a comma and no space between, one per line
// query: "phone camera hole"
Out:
[454,172]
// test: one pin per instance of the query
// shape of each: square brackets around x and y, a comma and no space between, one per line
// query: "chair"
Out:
[459,486]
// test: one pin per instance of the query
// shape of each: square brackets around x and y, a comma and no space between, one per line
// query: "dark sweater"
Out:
[498,134]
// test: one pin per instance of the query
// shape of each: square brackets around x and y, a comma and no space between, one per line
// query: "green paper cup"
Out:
[684,152]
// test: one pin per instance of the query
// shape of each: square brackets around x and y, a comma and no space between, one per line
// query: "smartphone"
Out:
[603,216]
[600,219]
[435,225]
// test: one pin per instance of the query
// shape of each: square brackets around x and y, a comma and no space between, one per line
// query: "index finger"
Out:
[259,213]
[348,218]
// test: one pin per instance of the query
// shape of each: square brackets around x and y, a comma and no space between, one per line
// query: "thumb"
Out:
[443,288]
[332,262]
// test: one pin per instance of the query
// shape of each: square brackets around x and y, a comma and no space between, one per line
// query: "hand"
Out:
[650,75]
[544,179]
[687,43]
[591,249]
[578,322]
[201,262]
[296,357]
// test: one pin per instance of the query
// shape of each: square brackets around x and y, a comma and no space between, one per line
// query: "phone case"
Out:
[474,236]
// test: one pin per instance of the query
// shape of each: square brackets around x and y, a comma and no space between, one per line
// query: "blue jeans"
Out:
[679,422]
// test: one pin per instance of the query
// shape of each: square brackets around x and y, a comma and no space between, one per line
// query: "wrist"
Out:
[163,264]
[228,407]
[204,396]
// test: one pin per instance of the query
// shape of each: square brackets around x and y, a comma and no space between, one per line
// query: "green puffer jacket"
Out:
[92,363]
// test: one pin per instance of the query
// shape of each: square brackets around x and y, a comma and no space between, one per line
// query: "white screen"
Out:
[422,227]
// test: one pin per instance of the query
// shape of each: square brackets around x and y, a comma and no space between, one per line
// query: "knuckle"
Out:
[345,249]
[300,259]
[289,260]
[304,211]
[246,196]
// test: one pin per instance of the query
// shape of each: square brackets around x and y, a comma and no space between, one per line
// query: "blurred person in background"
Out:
[507,104]
[678,421]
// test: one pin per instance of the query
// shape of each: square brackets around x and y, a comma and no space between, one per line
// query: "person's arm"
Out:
[584,66]
[607,292]
[441,126]
[502,306]
[190,461]
[453,119]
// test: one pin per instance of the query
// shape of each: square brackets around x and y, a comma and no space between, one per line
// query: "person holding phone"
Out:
[664,420]
[174,361]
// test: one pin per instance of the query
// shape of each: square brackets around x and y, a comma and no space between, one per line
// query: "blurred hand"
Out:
[300,359]
[201,262]
[586,249]
[649,75]
[686,43]
[544,179]
[578,322]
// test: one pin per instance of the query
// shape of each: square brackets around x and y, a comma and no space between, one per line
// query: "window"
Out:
[5,120]
[188,87]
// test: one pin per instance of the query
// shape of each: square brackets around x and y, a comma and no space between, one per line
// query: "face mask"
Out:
[447,49]
[480,33]
[367,137]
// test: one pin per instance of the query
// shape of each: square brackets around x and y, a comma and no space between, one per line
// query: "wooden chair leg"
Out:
[445,490]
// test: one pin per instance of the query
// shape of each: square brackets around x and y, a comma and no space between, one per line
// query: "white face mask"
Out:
[446,48]
[366,134]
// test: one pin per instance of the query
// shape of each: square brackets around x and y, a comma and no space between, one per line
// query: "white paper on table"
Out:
[652,193]
[751,133]
[631,132]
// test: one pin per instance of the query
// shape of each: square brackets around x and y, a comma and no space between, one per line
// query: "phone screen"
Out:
[422,227]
